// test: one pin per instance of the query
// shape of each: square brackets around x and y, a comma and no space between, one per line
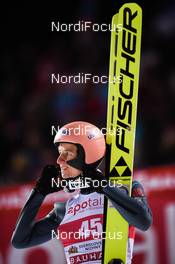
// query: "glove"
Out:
[49,181]
[96,181]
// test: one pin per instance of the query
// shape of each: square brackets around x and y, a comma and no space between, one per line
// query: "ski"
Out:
[116,261]
[121,122]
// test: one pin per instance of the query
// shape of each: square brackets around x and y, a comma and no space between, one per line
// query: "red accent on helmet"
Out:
[87,135]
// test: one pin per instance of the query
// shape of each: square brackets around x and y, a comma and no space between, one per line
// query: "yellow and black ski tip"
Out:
[116,261]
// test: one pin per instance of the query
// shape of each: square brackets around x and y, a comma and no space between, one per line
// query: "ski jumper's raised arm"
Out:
[29,232]
[134,209]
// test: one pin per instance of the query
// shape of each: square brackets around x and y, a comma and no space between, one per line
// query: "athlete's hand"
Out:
[49,181]
[96,181]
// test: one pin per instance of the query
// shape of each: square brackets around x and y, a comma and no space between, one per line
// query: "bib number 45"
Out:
[91,228]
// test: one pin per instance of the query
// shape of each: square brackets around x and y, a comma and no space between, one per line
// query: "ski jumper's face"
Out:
[67,151]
